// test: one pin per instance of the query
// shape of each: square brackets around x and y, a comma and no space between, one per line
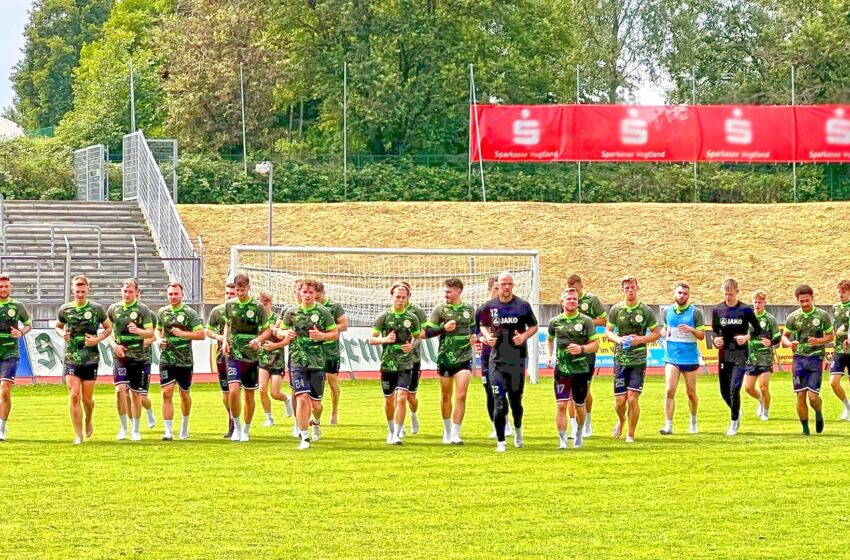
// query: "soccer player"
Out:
[146,400]
[484,349]
[332,349]
[178,325]
[246,328]
[841,356]
[571,340]
[272,367]
[507,322]
[454,322]
[132,324]
[412,399]
[628,323]
[296,292]
[760,358]
[590,305]
[807,331]
[307,327]
[732,323]
[683,327]
[215,330]
[396,329]
[78,322]
[15,322]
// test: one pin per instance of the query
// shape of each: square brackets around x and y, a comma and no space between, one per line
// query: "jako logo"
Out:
[838,129]
[526,131]
[633,131]
[738,130]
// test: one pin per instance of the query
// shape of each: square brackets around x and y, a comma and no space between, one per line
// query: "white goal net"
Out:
[360,278]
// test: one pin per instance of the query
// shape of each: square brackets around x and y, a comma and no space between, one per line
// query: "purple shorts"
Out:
[8,369]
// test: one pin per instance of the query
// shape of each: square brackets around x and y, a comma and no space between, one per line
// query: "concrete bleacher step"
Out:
[119,222]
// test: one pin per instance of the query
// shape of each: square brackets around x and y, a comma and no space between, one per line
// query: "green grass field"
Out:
[767,493]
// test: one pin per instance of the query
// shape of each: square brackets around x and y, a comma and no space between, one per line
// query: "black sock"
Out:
[805,424]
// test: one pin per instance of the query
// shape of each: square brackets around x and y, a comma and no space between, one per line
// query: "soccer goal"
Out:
[359,278]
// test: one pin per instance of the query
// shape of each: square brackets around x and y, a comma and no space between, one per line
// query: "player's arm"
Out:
[654,330]
[610,328]
[550,343]
[600,316]
[341,323]
[94,340]
[225,338]
[416,333]
[25,322]
[434,326]
[787,334]
[330,332]
[530,322]
[376,339]
[196,331]
[828,334]
[698,330]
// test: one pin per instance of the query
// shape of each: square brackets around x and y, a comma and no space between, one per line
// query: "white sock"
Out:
[390,425]
[517,433]
[573,425]
[150,415]
[455,429]
[136,425]
[304,435]
[579,437]
[847,404]
[397,428]
[269,416]
[693,419]
[413,417]
[2,425]
[167,426]
[245,427]
[587,419]
[562,434]
[317,422]
[184,425]
[447,426]
[123,419]
[237,425]
[668,424]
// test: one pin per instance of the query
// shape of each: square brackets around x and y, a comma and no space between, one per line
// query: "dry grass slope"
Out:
[773,247]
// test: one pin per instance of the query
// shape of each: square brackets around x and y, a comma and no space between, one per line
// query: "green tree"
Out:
[55,35]
[101,111]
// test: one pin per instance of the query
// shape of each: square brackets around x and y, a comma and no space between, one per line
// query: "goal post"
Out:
[359,278]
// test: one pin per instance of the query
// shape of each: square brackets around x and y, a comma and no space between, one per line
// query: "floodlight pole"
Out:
[132,100]
[694,102]
[793,126]
[344,129]
[242,107]
[578,101]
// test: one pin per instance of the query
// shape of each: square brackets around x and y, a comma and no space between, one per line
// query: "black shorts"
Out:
[415,374]
[182,375]
[310,381]
[84,372]
[221,366]
[758,370]
[628,378]
[274,371]
[137,374]
[332,367]
[8,369]
[507,378]
[451,371]
[840,363]
[244,373]
[572,388]
[684,368]
[391,381]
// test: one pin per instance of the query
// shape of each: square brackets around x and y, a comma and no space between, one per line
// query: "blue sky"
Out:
[13,18]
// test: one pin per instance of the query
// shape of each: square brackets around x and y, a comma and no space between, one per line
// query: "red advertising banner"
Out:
[621,133]
[745,133]
[827,133]
[704,133]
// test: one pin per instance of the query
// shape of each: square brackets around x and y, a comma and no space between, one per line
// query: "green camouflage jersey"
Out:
[275,359]
[590,305]
[178,350]
[841,318]
[247,321]
[423,318]
[303,351]
[630,321]
[12,314]
[122,314]
[455,348]
[81,320]
[571,329]
[800,326]
[759,354]
[405,325]
[215,321]
[332,346]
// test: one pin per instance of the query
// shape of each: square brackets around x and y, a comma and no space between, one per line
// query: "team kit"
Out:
[256,347]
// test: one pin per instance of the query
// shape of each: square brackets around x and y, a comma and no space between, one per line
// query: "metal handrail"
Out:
[143,181]
[135,258]
[53,228]
[68,269]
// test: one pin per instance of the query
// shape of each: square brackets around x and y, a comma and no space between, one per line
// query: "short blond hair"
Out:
[80,280]
[760,294]
[729,283]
